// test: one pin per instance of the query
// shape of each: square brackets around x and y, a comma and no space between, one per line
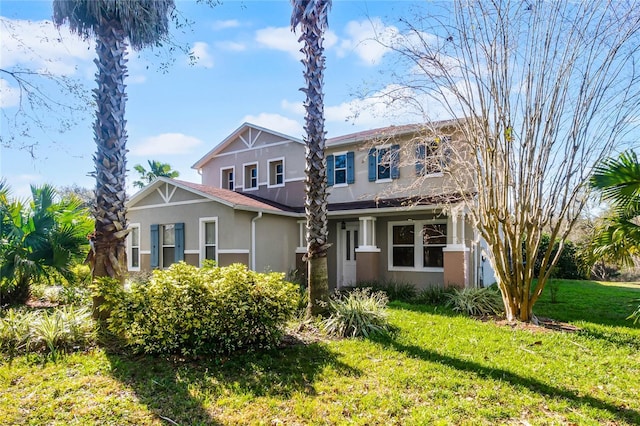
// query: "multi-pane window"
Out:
[434,239]
[250,176]
[404,245]
[168,245]
[383,164]
[228,179]
[417,245]
[431,156]
[276,172]
[134,247]
[210,240]
[340,169]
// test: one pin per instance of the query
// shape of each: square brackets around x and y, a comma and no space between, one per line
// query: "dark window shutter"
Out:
[395,161]
[155,246]
[421,152]
[372,165]
[330,170]
[351,176]
[179,235]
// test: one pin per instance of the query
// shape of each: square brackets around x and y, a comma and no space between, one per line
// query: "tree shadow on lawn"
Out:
[622,413]
[186,391]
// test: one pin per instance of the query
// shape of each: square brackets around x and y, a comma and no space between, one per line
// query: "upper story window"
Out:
[133,242]
[228,178]
[384,163]
[340,169]
[431,156]
[251,176]
[276,172]
[417,245]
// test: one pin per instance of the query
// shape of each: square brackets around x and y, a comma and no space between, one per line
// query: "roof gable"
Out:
[247,136]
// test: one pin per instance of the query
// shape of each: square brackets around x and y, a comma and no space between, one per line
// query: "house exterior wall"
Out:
[277,239]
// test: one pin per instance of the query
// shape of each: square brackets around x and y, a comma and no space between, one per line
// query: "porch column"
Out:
[368,254]
[456,254]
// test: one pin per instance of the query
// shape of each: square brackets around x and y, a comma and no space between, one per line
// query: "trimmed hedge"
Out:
[209,310]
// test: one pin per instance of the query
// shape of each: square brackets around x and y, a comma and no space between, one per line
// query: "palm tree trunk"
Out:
[110,160]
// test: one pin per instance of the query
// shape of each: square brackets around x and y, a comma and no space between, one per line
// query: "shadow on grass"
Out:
[622,413]
[185,392]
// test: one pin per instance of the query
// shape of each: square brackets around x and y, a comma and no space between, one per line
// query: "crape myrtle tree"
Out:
[114,24]
[311,17]
[544,90]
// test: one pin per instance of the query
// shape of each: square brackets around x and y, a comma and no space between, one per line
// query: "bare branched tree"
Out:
[545,90]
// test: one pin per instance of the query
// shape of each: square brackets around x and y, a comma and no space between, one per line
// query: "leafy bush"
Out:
[60,330]
[476,301]
[433,295]
[191,310]
[569,264]
[360,312]
[404,292]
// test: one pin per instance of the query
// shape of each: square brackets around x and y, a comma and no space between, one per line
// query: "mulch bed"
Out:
[545,325]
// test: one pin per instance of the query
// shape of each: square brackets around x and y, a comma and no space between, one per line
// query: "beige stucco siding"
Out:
[277,239]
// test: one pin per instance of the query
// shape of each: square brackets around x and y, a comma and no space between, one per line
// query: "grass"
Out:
[440,368]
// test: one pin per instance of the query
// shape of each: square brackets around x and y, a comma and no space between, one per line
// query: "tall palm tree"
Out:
[311,16]
[156,169]
[112,22]
[618,180]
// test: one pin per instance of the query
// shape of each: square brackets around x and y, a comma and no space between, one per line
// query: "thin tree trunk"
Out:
[318,286]
[109,258]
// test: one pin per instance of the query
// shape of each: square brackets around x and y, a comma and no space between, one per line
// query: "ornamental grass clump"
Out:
[476,301]
[191,311]
[50,332]
[359,313]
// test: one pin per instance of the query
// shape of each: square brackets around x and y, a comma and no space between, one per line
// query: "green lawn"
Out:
[440,368]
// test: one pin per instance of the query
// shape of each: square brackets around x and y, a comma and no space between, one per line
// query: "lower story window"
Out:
[168,245]
[210,241]
[417,245]
[134,247]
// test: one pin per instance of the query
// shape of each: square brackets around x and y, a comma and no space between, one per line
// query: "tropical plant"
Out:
[311,16]
[156,170]
[358,313]
[39,240]
[476,301]
[112,22]
[617,238]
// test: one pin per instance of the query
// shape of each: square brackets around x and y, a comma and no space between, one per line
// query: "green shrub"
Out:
[476,301]
[60,330]
[433,295]
[404,292]
[191,310]
[360,312]
[569,264]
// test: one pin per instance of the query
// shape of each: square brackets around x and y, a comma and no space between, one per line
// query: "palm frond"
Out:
[618,180]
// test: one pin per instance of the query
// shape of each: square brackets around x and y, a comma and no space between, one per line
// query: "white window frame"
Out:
[162,245]
[378,148]
[130,247]
[203,238]
[245,167]
[436,157]
[224,183]
[418,245]
[274,174]
[346,167]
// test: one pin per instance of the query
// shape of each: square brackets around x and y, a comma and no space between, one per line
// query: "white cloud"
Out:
[283,39]
[229,23]
[231,45]
[276,122]
[166,143]
[201,52]
[41,46]
[9,96]
[294,107]
[368,39]
[21,185]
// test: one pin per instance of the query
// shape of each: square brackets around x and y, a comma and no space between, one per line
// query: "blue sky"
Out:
[248,69]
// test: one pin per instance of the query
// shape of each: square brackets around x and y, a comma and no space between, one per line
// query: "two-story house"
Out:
[387,219]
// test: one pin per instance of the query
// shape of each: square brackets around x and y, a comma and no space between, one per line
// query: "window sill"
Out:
[407,269]
[340,185]
[280,185]
[384,180]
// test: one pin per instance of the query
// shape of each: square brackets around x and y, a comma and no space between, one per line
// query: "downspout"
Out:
[253,240]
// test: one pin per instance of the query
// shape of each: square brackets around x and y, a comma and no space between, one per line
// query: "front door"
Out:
[347,244]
